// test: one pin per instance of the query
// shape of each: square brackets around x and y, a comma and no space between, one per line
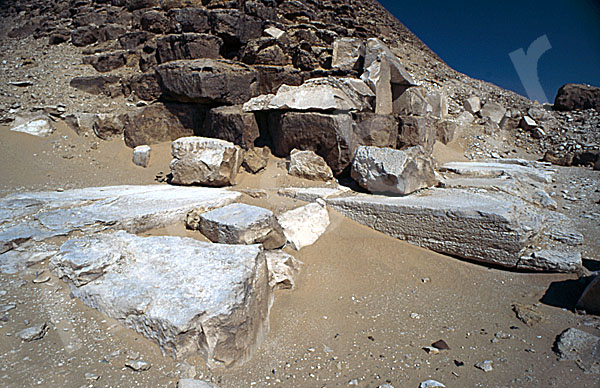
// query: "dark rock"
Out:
[328,135]
[304,60]
[131,40]
[234,28]
[154,21]
[270,78]
[110,31]
[576,96]
[416,130]
[272,55]
[59,36]
[133,5]
[207,81]
[590,298]
[586,158]
[192,19]
[107,61]
[145,86]
[188,46]
[231,124]
[371,129]
[160,122]
[83,36]
[107,85]
[558,159]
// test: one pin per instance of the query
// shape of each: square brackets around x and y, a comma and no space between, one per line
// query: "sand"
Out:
[364,307]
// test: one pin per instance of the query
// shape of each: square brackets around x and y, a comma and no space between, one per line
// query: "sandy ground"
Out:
[364,307]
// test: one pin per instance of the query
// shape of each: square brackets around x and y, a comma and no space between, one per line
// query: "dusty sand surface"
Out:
[364,307]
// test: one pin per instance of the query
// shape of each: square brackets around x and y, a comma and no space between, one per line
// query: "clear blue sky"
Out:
[476,37]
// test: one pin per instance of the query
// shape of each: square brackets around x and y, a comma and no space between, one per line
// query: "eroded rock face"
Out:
[348,54]
[576,96]
[204,161]
[207,81]
[188,46]
[385,170]
[231,124]
[283,269]
[581,347]
[33,217]
[190,297]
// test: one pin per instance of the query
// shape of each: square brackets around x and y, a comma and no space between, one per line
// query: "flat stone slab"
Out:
[487,226]
[581,347]
[537,171]
[36,216]
[186,295]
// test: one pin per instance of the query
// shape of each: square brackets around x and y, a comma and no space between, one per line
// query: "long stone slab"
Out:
[36,216]
[487,226]
[186,295]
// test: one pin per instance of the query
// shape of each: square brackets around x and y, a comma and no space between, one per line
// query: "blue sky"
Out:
[476,37]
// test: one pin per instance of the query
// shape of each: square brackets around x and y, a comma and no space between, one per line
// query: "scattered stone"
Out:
[486,366]
[40,126]
[472,104]
[91,376]
[527,123]
[283,270]
[581,347]
[431,384]
[33,333]
[431,350]
[239,223]
[590,298]
[308,165]
[4,308]
[191,383]
[441,345]
[493,111]
[389,171]
[41,278]
[321,94]
[138,365]
[528,314]
[141,155]
[304,225]
[200,160]
[256,159]
[188,296]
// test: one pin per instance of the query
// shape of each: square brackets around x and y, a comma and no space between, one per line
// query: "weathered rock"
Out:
[311,194]
[107,85]
[510,121]
[348,54]
[385,170]
[188,296]
[528,314]
[576,96]
[416,131]
[371,129]
[200,160]
[37,216]
[270,78]
[234,26]
[283,270]
[413,102]
[238,223]
[145,86]
[132,40]
[33,333]
[106,62]
[189,19]
[207,81]
[581,347]
[304,225]
[472,104]
[439,105]
[431,384]
[83,36]
[329,135]
[486,366]
[551,260]
[376,50]
[447,130]
[558,159]
[38,126]
[590,298]
[161,122]
[308,165]
[493,111]
[141,156]
[188,46]
[323,94]
[191,383]
[256,159]
[107,125]
[232,124]
[138,365]
[154,21]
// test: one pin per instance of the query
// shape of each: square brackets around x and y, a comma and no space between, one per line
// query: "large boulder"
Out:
[581,347]
[372,129]
[390,171]
[207,81]
[239,223]
[38,126]
[308,165]
[413,102]
[188,296]
[161,122]
[472,104]
[330,135]
[145,86]
[200,160]
[576,96]
[187,46]
[270,78]
[417,131]
[107,125]
[232,124]
[189,19]
[322,94]
[106,62]
[283,270]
